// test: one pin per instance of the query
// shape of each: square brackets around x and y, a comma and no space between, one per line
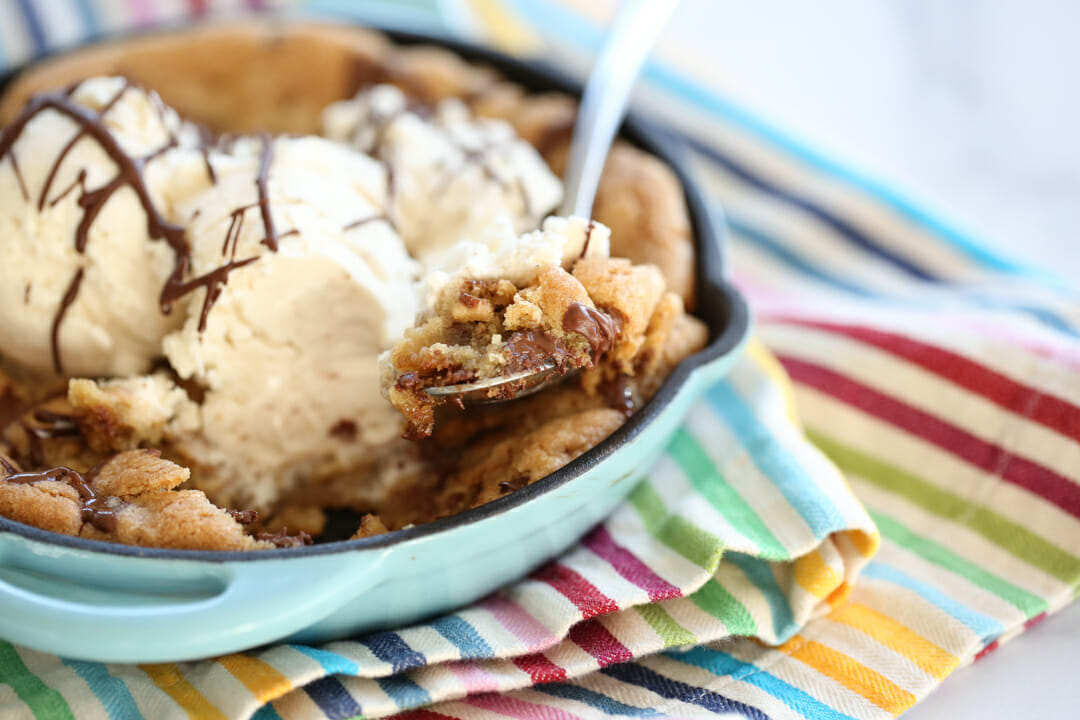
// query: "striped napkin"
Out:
[899,367]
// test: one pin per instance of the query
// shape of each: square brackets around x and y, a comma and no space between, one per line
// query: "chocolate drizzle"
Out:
[364,221]
[130,173]
[481,158]
[205,150]
[265,160]
[7,467]
[95,507]
[79,182]
[596,327]
[213,281]
[18,175]
[41,425]
[588,238]
[65,303]
[54,424]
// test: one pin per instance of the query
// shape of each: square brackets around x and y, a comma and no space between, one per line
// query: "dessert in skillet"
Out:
[219,312]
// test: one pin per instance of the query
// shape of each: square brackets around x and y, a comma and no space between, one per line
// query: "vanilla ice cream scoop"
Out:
[301,283]
[452,176]
[500,253]
[88,242]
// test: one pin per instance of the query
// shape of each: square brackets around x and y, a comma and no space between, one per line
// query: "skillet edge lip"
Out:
[712,286]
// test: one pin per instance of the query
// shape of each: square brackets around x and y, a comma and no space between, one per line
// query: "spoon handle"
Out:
[634,31]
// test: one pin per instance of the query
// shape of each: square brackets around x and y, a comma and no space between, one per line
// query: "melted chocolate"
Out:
[232,235]
[588,238]
[531,349]
[344,429]
[92,126]
[95,509]
[54,424]
[265,160]
[511,485]
[65,303]
[619,396]
[18,175]
[244,517]
[364,221]
[596,327]
[43,196]
[282,539]
[205,150]
[79,182]
[7,467]
[213,281]
[130,174]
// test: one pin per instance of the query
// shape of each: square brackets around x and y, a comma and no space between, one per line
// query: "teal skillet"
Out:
[97,601]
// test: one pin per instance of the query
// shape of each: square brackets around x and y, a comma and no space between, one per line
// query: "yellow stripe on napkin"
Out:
[168,678]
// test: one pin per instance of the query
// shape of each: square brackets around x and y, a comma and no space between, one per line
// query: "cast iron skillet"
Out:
[41,571]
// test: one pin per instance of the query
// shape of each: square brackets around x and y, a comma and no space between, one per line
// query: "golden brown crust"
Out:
[124,414]
[236,77]
[496,468]
[137,472]
[642,202]
[593,317]
[626,291]
[137,488]
[370,525]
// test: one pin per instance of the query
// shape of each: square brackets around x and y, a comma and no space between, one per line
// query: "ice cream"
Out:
[312,283]
[500,253]
[453,177]
[81,201]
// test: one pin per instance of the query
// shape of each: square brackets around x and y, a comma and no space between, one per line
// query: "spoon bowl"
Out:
[603,106]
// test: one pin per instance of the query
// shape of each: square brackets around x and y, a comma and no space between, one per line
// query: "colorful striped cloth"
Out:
[935,382]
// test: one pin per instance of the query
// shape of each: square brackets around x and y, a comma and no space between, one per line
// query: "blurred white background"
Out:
[971,107]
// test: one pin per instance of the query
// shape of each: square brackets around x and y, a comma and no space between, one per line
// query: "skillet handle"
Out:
[156,609]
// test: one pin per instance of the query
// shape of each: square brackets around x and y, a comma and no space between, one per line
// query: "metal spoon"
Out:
[633,33]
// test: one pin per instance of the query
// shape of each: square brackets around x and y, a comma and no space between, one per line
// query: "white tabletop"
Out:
[973,109]
[970,107]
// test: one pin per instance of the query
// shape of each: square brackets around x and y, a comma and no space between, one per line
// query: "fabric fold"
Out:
[883,490]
